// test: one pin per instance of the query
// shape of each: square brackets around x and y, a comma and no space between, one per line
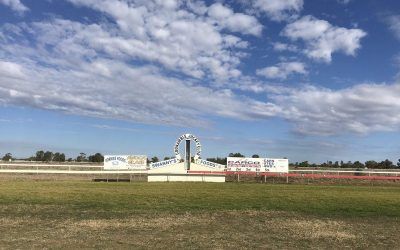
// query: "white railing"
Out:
[99,169]
[344,171]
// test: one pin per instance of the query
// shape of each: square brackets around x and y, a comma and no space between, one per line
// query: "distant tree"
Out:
[398,163]
[69,159]
[348,164]
[56,156]
[97,157]
[166,158]
[154,159]
[48,156]
[255,156]
[62,157]
[336,164]
[39,155]
[304,164]
[81,157]
[371,164]
[358,164]
[7,157]
[236,155]
[386,164]
[218,160]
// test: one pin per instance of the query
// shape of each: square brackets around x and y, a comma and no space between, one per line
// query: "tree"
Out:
[7,157]
[304,164]
[398,163]
[56,156]
[255,156]
[97,157]
[39,155]
[371,164]
[218,160]
[386,164]
[154,159]
[48,156]
[236,155]
[62,157]
[358,164]
[167,158]
[81,157]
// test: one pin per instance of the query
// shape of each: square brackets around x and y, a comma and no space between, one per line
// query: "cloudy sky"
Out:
[309,80]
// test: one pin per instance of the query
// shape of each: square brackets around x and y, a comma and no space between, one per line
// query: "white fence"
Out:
[38,168]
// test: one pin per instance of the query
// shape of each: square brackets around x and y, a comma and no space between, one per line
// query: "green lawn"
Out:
[74,214]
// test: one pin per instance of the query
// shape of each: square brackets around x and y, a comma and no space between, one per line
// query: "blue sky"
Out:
[308,80]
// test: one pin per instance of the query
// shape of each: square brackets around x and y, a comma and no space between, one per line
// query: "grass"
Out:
[71,214]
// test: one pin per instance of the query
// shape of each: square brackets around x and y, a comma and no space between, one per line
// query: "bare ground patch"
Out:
[219,230]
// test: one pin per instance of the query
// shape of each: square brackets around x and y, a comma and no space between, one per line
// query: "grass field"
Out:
[72,214]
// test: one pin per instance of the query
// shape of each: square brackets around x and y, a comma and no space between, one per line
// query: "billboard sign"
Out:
[125,162]
[239,164]
[210,164]
[165,163]
[187,137]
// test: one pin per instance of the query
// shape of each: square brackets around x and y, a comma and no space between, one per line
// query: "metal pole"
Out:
[187,155]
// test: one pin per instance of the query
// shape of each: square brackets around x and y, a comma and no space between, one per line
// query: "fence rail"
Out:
[81,169]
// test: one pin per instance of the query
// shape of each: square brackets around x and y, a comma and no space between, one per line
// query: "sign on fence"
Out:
[238,164]
[123,162]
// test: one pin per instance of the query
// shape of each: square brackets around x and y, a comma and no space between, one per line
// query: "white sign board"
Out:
[165,163]
[238,164]
[210,164]
[123,162]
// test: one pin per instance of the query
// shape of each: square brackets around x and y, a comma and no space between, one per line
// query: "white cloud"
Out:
[322,39]
[73,68]
[394,25]
[279,10]
[282,70]
[193,39]
[236,22]
[278,46]
[360,109]
[344,2]
[10,69]
[15,5]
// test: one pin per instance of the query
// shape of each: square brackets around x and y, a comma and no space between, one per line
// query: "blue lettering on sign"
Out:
[164,163]
[115,158]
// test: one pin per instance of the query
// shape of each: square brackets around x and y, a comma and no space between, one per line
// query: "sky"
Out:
[315,80]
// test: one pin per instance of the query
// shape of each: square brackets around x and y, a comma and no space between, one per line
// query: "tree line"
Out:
[386,164]
[48,156]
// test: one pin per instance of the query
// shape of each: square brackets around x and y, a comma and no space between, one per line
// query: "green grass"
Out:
[119,199]
[248,215]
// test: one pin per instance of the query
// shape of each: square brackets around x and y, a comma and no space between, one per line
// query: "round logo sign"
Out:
[187,137]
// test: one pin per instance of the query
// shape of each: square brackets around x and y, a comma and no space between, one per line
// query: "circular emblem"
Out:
[187,137]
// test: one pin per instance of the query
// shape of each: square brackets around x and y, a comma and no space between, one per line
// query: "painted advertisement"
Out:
[238,164]
[125,162]
[165,163]
[209,164]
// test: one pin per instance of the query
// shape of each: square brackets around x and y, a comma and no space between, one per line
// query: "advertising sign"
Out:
[210,164]
[187,137]
[165,163]
[238,164]
[125,162]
